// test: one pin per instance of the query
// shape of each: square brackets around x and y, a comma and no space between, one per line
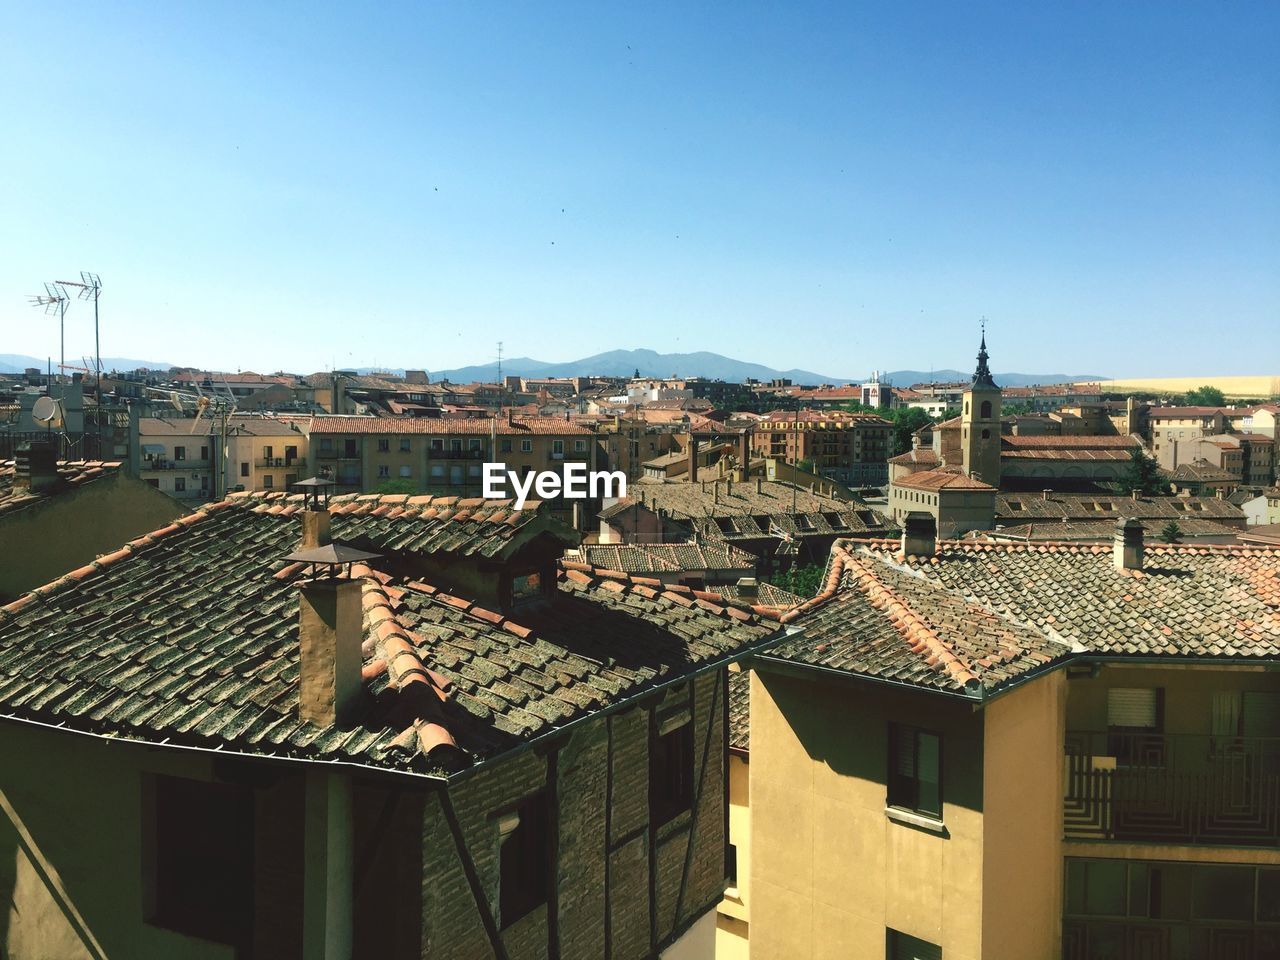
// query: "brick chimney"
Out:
[330,625]
[1127,548]
[919,535]
[315,529]
[748,588]
[36,466]
[693,460]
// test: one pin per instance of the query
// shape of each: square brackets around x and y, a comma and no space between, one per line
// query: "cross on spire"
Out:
[982,375]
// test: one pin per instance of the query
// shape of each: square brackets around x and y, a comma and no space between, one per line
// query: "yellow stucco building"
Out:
[989,751]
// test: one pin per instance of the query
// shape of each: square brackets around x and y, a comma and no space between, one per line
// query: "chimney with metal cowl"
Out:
[1127,547]
[919,534]
[330,630]
[36,466]
[315,512]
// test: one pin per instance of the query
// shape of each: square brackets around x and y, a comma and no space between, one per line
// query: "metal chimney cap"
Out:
[314,482]
[332,554]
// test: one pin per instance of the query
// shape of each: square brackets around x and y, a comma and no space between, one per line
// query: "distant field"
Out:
[1230,386]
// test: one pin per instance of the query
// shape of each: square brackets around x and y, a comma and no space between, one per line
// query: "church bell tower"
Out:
[980,423]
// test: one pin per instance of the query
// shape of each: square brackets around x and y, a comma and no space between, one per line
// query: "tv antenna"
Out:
[90,287]
[55,300]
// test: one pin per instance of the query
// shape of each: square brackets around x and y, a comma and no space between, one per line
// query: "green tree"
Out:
[805,465]
[803,580]
[1143,476]
[1171,533]
[906,421]
[397,485]
[1206,396]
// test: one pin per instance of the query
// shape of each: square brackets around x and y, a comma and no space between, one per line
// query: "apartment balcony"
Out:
[159,464]
[337,454]
[287,463]
[576,455]
[1179,789]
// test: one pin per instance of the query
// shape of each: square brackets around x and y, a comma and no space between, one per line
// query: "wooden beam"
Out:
[473,877]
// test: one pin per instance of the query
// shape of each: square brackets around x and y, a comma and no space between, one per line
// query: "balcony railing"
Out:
[164,464]
[283,462]
[455,454]
[1185,789]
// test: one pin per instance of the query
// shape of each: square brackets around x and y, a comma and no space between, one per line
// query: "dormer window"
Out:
[525,588]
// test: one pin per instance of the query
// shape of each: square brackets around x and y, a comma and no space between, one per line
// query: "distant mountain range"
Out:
[624,363]
[17,363]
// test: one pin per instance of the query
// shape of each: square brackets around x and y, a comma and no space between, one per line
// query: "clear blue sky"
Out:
[833,187]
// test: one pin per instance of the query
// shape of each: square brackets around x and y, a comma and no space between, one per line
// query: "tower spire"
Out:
[982,375]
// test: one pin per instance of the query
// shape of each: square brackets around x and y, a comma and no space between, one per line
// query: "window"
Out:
[406,471]
[437,444]
[986,434]
[899,946]
[244,468]
[179,484]
[201,880]
[526,587]
[1135,717]
[525,845]
[179,453]
[384,445]
[267,453]
[580,446]
[671,773]
[290,454]
[383,471]
[348,448]
[326,443]
[404,444]
[474,444]
[505,444]
[526,446]
[915,770]
[985,413]
[154,481]
[268,481]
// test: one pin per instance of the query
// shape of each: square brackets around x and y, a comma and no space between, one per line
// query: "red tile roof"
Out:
[941,480]
[468,426]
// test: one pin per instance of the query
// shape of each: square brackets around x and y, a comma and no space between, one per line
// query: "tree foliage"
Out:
[1206,396]
[1143,476]
[801,579]
[397,485]
[1171,533]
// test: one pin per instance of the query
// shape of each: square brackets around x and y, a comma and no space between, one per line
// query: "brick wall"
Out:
[600,775]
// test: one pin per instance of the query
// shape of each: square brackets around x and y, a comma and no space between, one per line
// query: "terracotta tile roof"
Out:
[72,474]
[450,426]
[189,634]
[1187,601]
[941,480]
[1199,470]
[683,500]
[922,455]
[879,619]
[799,526]
[1176,413]
[767,595]
[1019,507]
[740,710]
[1102,531]
[667,557]
[1078,442]
[839,419]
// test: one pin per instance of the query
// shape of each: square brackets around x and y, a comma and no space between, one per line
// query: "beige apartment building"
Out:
[852,448]
[433,455]
[265,453]
[980,751]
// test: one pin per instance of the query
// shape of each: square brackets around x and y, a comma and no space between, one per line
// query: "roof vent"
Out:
[748,588]
[1127,547]
[919,535]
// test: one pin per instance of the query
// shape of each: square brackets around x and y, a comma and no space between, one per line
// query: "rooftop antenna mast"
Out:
[90,287]
[54,300]
[501,382]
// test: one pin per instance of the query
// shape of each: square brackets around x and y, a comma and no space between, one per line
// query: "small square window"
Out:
[268,481]
[526,446]
[384,470]
[406,471]
[404,444]
[505,445]
[179,484]
[384,444]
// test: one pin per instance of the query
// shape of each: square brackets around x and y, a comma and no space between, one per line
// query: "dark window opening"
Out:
[899,946]
[915,770]
[202,865]
[986,410]
[671,775]
[244,469]
[731,864]
[524,835]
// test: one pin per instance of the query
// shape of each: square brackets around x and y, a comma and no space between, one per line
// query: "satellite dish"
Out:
[47,410]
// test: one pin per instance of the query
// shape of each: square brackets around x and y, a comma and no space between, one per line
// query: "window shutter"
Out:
[1261,713]
[902,947]
[1132,707]
[904,751]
